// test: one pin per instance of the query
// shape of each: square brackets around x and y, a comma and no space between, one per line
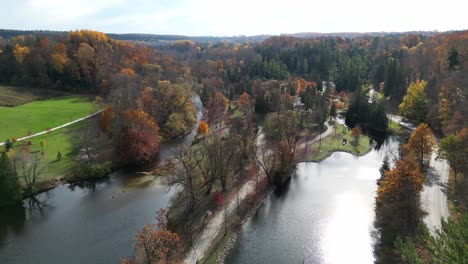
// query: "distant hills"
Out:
[166,39]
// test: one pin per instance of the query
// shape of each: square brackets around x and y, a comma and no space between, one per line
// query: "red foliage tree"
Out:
[139,137]
[218,199]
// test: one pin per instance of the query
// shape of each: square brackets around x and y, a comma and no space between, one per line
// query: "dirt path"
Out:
[317,138]
[216,225]
[59,127]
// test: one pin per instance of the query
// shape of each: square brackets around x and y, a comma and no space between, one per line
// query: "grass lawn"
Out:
[13,96]
[393,126]
[334,143]
[55,141]
[40,115]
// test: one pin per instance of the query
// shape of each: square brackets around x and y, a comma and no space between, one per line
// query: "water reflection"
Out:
[13,224]
[325,215]
[87,222]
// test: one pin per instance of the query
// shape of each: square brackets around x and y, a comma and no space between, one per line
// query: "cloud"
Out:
[241,17]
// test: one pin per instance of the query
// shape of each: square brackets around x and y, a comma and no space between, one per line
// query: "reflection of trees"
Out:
[12,220]
[88,184]
[36,205]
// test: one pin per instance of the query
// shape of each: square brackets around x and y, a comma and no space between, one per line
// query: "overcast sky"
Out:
[234,17]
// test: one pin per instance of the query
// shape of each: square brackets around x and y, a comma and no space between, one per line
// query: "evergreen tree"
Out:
[10,191]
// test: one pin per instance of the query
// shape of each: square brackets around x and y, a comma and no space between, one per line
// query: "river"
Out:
[325,215]
[91,223]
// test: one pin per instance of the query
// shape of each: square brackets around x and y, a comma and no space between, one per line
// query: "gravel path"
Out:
[55,128]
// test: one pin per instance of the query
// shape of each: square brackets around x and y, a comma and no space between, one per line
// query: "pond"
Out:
[324,215]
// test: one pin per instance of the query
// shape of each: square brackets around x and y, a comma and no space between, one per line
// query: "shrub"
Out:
[97,170]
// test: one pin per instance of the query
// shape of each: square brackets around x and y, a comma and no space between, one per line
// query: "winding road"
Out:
[56,128]
[433,196]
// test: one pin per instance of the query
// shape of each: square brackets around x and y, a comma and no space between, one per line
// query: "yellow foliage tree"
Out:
[58,61]
[415,105]
[20,53]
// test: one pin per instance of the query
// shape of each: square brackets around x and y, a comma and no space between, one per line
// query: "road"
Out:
[433,196]
[55,128]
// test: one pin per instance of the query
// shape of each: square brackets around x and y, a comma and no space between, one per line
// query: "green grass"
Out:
[333,143]
[393,126]
[55,141]
[41,115]
[13,96]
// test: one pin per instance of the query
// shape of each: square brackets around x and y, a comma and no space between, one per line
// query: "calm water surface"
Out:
[94,223]
[325,215]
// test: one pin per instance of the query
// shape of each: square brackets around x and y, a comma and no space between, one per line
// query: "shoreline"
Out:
[231,240]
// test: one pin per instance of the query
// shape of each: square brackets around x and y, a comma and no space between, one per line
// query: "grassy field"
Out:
[13,96]
[55,141]
[37,110]
[334,142]
[41,115]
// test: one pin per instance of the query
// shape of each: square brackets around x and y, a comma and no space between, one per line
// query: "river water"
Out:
[91,223]
[325,215]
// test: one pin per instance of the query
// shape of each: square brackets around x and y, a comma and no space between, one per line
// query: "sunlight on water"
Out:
[347,237]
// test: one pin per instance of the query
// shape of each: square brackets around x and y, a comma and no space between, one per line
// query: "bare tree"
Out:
[29,168]
[185,175]
[265,157]
[85,142]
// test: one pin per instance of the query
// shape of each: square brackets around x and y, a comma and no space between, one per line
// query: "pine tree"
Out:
[10,191]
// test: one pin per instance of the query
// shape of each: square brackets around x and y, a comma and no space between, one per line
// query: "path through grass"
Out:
[41,115]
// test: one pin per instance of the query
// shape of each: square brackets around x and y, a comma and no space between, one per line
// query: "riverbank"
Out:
[223,243]
[341,139]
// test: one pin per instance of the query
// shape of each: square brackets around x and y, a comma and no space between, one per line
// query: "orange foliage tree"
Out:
[105,122]
[421,144]
[244,102]
[202,128]
[157,244]
[398,211]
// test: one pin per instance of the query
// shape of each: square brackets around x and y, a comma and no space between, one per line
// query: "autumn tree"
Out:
[421,144]
[243,131]
[398,211]
[415,105]
[139,137]
[356,133]
[172,107]
[284,127]
[105,122]
[202,128]
[244,103]
[157,244]
[216,108]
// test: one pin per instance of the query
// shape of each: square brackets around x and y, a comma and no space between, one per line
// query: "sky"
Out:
[228,18]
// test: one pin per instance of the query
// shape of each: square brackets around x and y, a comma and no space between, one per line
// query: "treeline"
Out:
[81,61]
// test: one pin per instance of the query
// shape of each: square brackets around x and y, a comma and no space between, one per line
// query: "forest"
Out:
[287,85]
